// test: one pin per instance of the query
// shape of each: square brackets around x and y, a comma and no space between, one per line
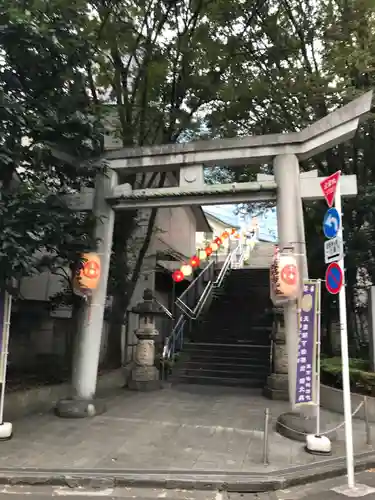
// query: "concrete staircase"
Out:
[231,344]
[261,256]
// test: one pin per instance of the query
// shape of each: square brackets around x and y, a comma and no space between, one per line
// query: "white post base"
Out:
[359,490]
[6,431]
[318,445]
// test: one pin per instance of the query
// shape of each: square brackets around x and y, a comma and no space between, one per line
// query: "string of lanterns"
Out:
[187,268]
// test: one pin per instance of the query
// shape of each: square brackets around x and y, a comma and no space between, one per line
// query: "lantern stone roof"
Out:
[148,305]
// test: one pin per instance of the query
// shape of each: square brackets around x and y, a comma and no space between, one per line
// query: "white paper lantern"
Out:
[186,270]
[214,246]
[285,282]
[289,276]
[202,255]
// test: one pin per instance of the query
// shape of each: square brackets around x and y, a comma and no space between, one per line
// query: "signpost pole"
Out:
[318,351]
[5,427]
[345,361]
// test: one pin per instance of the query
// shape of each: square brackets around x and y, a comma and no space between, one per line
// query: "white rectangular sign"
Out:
[333,250]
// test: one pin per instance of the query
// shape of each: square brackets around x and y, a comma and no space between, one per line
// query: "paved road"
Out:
[47,492]
[323,490]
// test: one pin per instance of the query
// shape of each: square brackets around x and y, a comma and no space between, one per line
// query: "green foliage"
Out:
[161,72]
[361,380]
[34,221]
[45,116]
[334,365]
[291,63]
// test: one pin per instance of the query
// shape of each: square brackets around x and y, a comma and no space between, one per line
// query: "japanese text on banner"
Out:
[306,361]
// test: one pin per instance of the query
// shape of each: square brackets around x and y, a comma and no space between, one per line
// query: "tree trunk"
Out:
[125,288]
[112,359]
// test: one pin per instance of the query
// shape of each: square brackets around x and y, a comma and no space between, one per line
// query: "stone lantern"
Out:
[145,376]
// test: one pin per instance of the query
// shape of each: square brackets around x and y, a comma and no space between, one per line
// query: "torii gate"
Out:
[288,187]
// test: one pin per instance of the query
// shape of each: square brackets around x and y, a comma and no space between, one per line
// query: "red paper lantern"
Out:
[178,276]
[225,235]
[194,261]
[208,251]
[88,273]
[218,241]
[289,274]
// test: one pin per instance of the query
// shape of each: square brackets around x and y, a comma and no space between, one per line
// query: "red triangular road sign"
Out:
[329,185]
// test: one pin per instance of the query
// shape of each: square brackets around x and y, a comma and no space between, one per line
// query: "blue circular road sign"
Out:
[331,223]
[334,278]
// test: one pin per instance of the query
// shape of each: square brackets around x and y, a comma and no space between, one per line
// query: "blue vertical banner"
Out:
[307,343]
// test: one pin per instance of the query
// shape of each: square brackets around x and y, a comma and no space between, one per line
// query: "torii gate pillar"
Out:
[87,342]
[286,171]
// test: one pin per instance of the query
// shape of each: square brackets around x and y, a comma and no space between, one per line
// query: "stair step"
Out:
[258,343]
[223,347]
[220,358]
[243,298]
[232,345]
[227,322]
[255,372]
[251,275]
[229,336]
[197,354]
[226,337]
[225,366]
[230,381]
[255,281]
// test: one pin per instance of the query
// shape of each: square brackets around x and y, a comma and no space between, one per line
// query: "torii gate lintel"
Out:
[321,135]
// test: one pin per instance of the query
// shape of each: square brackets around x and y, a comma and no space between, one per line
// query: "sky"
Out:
[226,213]
[267,220]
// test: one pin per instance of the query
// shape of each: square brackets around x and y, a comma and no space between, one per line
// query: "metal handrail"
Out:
[165,309]
[176,338]
[204,270]
[241,259]
[192,313]
[168,348]
[228,262]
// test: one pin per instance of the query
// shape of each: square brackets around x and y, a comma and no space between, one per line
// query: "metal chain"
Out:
[339,426]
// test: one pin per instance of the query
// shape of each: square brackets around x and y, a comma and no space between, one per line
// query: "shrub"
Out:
[361,380]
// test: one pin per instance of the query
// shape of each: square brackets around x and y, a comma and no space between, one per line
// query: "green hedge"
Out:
[361,379]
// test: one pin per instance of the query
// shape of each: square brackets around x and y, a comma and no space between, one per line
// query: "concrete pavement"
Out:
[185,436]
[195,428]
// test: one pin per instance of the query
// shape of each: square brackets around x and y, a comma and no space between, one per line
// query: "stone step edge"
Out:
[241,481]
[223,365]
[197,379]
[216,373]
[239,345]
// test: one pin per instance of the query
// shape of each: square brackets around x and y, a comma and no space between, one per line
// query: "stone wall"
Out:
[40,399]
[332,399]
